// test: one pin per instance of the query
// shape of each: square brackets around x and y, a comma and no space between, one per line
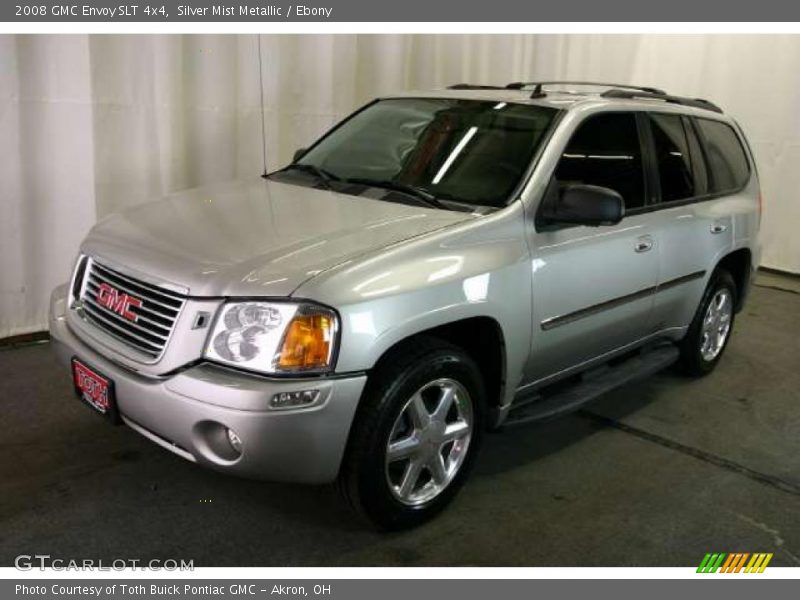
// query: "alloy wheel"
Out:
[429,441]
[716,324]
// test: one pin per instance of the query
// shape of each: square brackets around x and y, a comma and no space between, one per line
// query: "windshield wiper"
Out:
[410,190]
[325,176]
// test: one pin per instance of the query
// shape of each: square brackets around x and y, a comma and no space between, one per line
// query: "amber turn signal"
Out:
[308,343]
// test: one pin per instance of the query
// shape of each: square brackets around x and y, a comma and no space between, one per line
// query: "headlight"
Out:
[274,337]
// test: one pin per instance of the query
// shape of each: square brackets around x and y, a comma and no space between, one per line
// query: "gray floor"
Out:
[656,474]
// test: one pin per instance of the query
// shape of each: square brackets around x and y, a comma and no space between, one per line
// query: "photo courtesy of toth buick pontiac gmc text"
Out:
[437,265]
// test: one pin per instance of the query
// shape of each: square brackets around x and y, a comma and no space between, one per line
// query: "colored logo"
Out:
[738,562]
[117,301]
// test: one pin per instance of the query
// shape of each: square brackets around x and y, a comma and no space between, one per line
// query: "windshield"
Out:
[468,151]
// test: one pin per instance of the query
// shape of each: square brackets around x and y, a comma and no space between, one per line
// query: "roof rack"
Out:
[617,90]
[538,85]
[695,102]
[471,86]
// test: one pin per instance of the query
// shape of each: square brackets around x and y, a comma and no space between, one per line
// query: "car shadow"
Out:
[132,473]
[517,445]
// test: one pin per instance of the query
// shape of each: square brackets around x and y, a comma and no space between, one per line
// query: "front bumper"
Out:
[187,412]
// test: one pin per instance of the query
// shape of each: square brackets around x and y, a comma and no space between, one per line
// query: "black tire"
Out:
[363,477]
[692,361]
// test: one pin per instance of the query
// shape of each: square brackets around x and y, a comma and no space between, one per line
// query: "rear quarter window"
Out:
[727,162]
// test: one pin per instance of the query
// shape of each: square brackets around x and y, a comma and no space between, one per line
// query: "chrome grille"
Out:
[153,320]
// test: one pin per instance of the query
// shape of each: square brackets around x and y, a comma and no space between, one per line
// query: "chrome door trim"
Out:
[680,280]
[582,313]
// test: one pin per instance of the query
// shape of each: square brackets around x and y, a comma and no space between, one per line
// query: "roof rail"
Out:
[617,90]
[471,86]
[694,102]
[538,85]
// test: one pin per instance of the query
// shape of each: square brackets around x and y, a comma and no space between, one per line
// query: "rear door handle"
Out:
[718,228]
[643,243]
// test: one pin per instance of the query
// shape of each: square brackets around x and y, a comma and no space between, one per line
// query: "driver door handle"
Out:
[644,243]
[718,228]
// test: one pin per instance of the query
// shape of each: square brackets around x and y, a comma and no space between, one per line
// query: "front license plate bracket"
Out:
[95,389]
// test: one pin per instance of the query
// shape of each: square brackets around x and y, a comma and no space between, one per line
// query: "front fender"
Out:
[480,269]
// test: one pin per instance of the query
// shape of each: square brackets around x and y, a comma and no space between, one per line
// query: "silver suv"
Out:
[426,271]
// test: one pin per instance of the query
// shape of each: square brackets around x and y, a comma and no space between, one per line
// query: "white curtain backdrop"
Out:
[92,124]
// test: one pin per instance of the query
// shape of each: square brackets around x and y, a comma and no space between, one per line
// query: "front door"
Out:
[593,286]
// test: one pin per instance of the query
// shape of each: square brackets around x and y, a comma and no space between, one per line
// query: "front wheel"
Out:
[416,435]
[710,330]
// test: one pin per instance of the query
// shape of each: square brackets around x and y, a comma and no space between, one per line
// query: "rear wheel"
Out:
[708,335]
[416,435]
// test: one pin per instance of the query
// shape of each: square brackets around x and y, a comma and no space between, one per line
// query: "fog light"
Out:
[234,441]
[294,399]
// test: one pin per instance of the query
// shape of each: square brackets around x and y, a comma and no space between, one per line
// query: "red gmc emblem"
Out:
[116,301]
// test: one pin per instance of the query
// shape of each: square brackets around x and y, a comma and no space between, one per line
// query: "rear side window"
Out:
[674,157]
[727,161]
[605,151]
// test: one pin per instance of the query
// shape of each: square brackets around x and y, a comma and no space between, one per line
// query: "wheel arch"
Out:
[481,338]
[739,264]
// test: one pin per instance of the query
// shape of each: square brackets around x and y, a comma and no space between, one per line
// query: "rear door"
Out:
[701,167]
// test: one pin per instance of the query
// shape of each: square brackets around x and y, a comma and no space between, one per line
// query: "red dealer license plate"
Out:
[94,389]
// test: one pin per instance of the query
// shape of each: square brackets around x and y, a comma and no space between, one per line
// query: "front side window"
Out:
[605,151]
[468,151]
[727,161]
[673,157]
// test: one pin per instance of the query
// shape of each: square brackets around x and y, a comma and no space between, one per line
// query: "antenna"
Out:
[261,90]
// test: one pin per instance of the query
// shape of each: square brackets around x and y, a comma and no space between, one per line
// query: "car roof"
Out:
[568,97]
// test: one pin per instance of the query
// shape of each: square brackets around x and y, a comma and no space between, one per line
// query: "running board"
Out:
[592,385]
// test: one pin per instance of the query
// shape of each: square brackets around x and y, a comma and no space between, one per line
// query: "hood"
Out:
[254,237]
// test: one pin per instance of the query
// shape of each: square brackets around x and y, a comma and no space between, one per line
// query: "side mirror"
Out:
[298,154]
[580,204]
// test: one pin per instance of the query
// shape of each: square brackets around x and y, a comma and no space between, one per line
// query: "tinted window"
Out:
[698,159]
[469,151]
[673,157]
[726,158]
[605,151]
